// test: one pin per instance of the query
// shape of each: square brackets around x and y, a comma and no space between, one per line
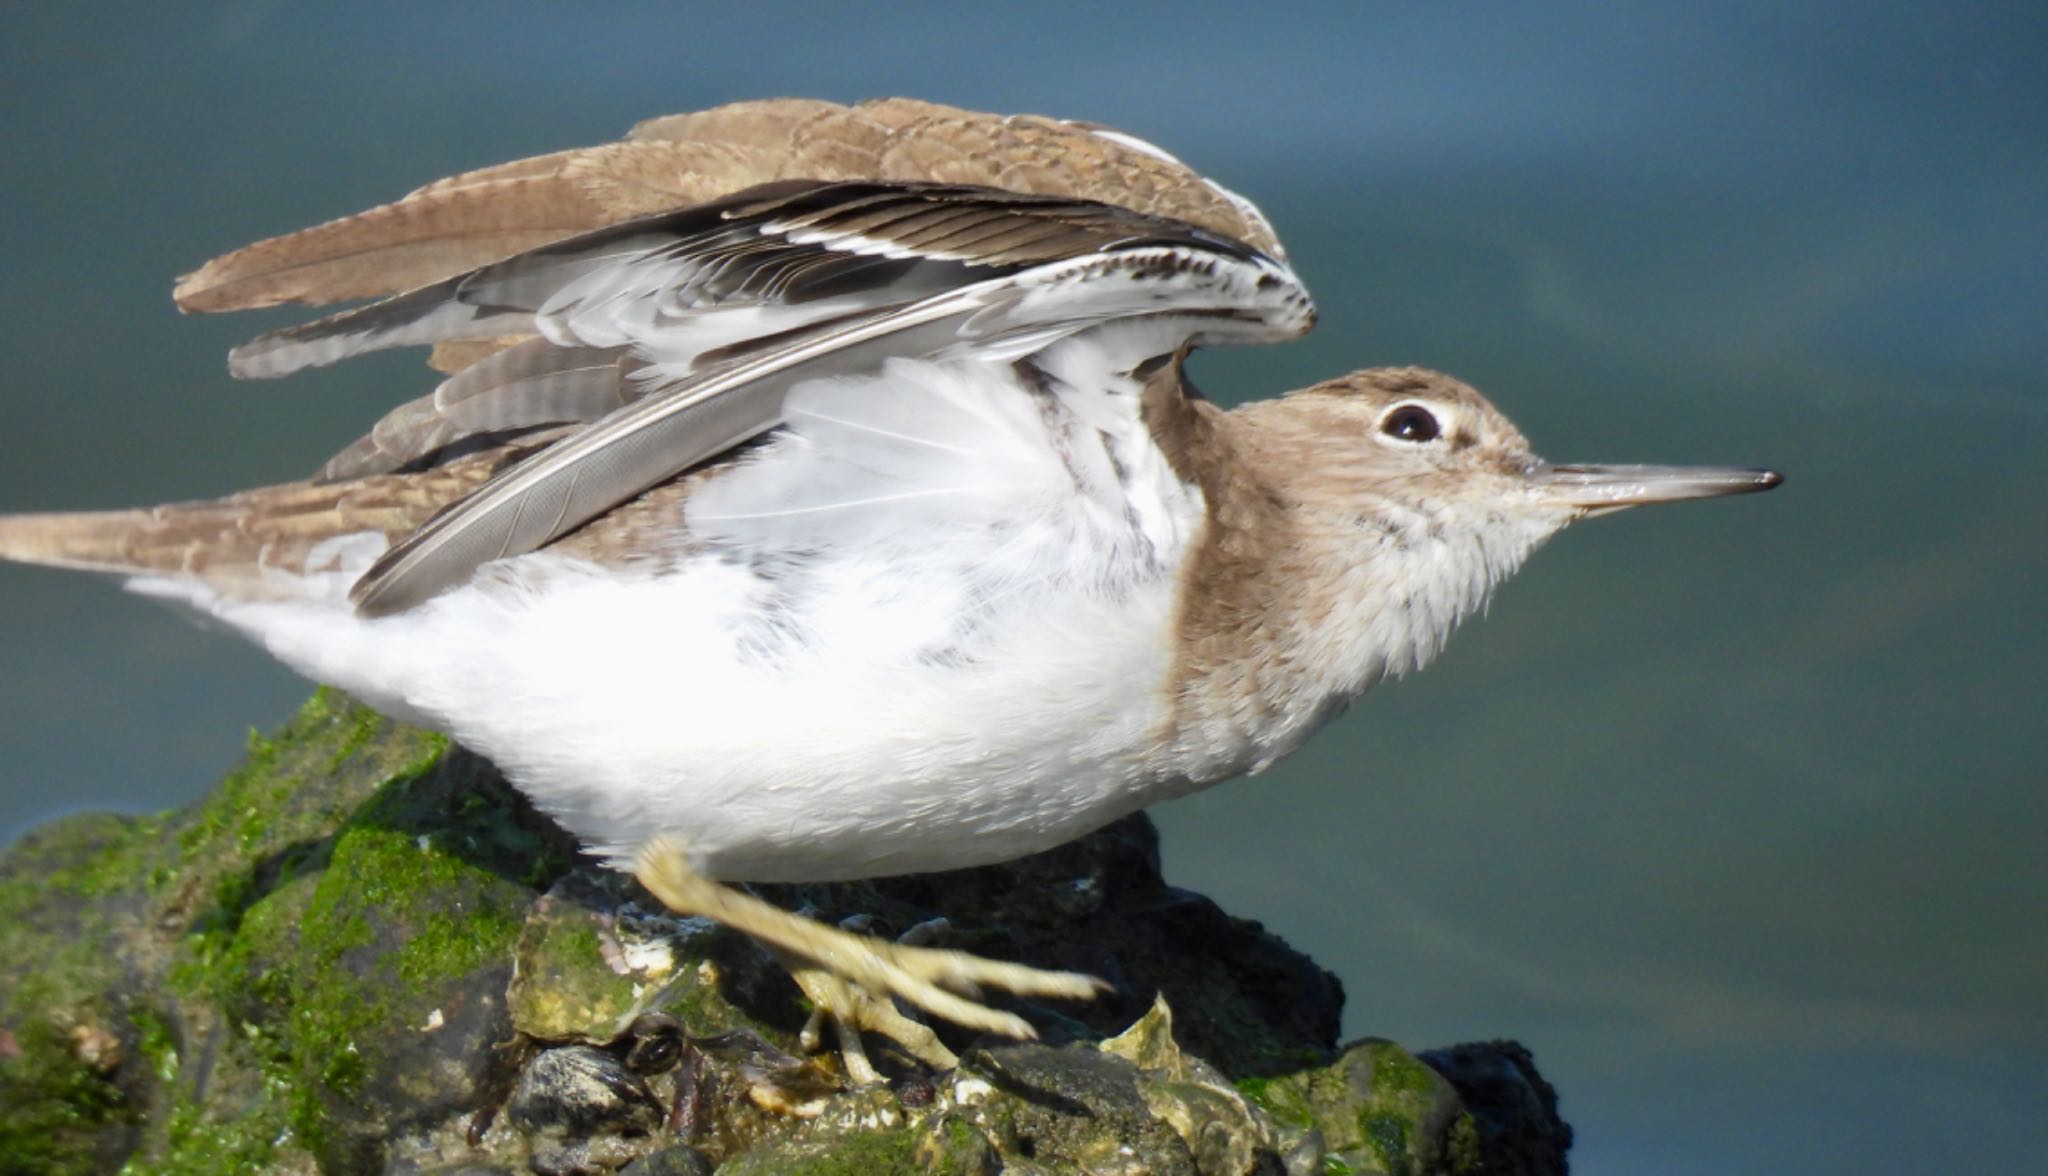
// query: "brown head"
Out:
[1415,436]
[1352,525]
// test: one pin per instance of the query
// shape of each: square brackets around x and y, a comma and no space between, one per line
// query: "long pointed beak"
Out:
[1600,489]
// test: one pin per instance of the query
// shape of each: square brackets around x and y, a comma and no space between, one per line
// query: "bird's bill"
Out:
[1598,489]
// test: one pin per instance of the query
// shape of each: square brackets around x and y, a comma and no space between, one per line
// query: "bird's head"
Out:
[1405,498]
[1413,441]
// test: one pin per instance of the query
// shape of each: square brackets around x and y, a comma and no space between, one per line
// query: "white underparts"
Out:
[915,630]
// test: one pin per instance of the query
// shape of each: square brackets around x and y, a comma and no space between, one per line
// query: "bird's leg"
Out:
[850,1010]
[852,977]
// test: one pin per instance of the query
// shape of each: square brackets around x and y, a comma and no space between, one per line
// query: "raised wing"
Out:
[667,340]
[814,251]
[1008,275]
[472,219]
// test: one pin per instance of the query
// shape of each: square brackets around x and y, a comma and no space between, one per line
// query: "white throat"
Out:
[1368,597]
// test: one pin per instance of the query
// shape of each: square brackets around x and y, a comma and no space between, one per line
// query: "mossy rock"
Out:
[269,961]
[1380,1110]
[363,945]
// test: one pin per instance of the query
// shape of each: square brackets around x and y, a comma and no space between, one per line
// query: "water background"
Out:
[1733,811]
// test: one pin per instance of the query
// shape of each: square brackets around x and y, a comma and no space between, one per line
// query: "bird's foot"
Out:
[851,978]
[849,1009]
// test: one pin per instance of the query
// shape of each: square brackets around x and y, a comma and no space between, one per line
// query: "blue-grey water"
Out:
[1733,811]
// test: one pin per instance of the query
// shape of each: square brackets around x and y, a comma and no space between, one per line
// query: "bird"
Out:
[816,491]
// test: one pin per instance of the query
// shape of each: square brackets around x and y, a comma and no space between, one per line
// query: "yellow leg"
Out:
[852,977]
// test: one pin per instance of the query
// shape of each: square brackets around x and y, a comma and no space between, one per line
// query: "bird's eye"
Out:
[1411,422]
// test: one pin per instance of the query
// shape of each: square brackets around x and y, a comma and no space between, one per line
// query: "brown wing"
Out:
[791,240]
[469,220]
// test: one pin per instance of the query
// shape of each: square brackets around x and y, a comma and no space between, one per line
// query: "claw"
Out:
[851,978]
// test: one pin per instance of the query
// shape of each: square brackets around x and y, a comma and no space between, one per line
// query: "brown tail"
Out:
[233,543]
[90,541]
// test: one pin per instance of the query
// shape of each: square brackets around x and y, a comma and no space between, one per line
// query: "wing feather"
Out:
[676,161]
[1213,297]
[637,447]
[666,341]
[527,386]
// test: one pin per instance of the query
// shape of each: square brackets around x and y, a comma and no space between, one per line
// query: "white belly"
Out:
[860,734]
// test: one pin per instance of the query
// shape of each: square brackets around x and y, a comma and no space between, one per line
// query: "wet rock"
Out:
[365,953]
[951,1144]
[592,956]
[581,1108]
[1069,1108]
[1225,1132]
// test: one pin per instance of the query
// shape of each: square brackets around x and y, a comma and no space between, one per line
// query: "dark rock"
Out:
[581,1108]
[1068,1108]
[1520,1133]
[577,1090]
[365,953]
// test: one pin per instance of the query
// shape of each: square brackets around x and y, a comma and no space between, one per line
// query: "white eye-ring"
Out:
[1411,422]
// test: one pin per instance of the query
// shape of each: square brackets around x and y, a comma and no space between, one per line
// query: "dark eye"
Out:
[1411,422]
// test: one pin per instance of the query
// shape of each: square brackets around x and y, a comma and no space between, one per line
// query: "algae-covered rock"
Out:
[364,952]
[1377,1109]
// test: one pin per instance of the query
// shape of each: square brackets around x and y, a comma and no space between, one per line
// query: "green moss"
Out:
[1386,1133]
[578,941]
[704,1010]
[267,944]
[367,944]
[334,885]
[61,969]
[870,1152]
[399,877]
[563,989]
[1376,1105]
[256,1138]
[82,857]
[1286,1099]
[1395,1072]
[156,1043]
[1462,1150]
[355,726]
[58,1110]
[278,874]
[1261,1092]
[951,1144]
